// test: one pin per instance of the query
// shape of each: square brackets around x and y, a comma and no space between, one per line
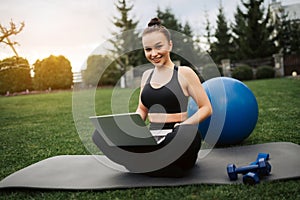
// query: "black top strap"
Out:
[150,76]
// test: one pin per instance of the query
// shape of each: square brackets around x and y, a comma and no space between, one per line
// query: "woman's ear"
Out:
[171,45]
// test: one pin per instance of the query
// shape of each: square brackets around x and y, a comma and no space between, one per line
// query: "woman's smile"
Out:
[156,59]
[157,49]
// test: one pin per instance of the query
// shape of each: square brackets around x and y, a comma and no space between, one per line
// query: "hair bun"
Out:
[154,21]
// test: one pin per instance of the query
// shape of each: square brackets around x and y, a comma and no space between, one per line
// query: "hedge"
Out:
[264,72]
[242,73]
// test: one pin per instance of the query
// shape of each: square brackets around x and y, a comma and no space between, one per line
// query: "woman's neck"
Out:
[166,66]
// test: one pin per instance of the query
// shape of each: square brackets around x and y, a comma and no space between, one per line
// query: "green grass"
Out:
[36,127]
[279,110]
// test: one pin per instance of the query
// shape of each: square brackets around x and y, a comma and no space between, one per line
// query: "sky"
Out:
[75,28]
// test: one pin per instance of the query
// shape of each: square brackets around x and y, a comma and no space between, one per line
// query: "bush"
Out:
[54,72]
[242,73]
[101,71]
[14,75]
[264,72]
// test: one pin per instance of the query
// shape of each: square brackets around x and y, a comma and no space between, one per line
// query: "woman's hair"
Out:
[155,25]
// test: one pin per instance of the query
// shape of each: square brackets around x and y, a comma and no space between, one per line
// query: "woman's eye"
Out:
[148,49]
[159,47]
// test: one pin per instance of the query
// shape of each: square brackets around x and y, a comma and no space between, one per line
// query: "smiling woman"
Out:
[168,85]
[163,100]
[157,44]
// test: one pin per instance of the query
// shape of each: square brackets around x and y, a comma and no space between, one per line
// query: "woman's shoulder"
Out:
[146,75]
[185,70]
[187,74]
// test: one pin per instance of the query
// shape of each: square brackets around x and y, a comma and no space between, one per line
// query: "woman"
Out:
[165,91]
[164,98]
[157,46]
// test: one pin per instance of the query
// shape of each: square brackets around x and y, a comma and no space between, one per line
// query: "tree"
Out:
[126,43]
[288,35]
[252,32]
[239,35]
[7,32]
[221,49]
[14,75]
[54,72]
[208,34]
[182,37]
[168,19]
[101,70]
[286,30]
[294,36]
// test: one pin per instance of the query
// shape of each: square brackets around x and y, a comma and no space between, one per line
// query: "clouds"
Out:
[73,28]
[55,22]
[56,27]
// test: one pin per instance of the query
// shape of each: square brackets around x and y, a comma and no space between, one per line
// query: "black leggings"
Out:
[176,169]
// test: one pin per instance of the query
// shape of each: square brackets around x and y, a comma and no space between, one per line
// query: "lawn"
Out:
[36,127]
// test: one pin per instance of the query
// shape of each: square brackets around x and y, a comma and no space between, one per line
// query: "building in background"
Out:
[292,11]
[290,63]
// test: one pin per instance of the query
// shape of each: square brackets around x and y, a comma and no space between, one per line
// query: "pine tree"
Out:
[239,35]
[126,42]
[288,35]
[208,34]
[183,43]
[169,20]
[295,36]
[222,47]
[252,32]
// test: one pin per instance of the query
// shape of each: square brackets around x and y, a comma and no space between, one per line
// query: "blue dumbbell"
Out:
[266,156]
[262,168]
[251,178]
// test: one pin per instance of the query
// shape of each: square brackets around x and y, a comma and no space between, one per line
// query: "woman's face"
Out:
[157,48]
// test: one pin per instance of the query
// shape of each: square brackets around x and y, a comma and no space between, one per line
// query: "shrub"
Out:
[14,75]
[54,72]
[242,73]
[264,72]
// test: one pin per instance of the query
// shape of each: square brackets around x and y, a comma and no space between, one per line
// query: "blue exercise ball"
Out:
[235,111]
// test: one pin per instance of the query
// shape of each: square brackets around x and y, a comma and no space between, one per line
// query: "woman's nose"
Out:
[153,53]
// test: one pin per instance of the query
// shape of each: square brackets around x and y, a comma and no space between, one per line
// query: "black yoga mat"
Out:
[85,172]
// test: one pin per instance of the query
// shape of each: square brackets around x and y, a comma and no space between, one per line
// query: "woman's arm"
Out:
[192,85]
[141,109]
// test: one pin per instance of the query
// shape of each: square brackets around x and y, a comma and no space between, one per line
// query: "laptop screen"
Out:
[126,129]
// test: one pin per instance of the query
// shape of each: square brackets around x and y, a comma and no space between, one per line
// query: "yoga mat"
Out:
[85,172]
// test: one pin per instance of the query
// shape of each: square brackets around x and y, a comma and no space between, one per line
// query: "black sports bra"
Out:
[166,99]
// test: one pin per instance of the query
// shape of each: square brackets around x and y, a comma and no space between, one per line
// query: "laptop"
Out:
[127,129]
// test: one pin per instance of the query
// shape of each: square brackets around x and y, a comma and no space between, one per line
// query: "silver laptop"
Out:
[127,129]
